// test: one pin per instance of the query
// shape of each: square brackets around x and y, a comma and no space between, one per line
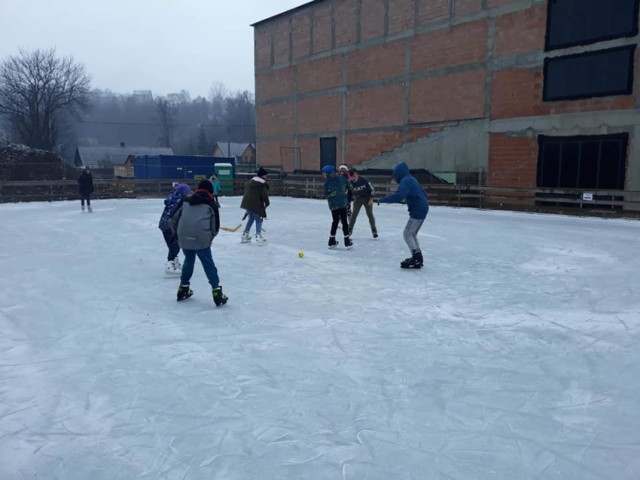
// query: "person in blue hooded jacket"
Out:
[410,191]
[172,204]
[336,189]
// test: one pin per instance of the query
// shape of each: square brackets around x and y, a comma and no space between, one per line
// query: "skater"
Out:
[85,188]
[344,171]
[336,188]
[411,192]
[197,223]
[171,205]
[217,188]
[363,193]
[255,201]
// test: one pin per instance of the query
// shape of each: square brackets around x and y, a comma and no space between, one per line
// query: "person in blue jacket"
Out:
[336,189]
[172,204]
[410,191]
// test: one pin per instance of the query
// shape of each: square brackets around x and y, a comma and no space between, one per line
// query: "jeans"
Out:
[410,233]
[206,260]
[339,215]
[254,217]
[172,244]
[85,197]
[357,205]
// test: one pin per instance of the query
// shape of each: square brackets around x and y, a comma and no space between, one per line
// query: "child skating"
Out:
[336,188]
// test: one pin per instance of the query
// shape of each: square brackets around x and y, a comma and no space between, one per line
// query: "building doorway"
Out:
[328,153]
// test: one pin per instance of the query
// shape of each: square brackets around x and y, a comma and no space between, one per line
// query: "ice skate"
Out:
[415,261]
[219,298]
[260,240]
[332,242]
[89,209]
[374,232]
[184,292]
[173,267]
[347,242]
[82,208]
[246,238]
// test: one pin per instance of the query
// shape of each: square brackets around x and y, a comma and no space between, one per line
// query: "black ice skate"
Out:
[219,298]
[374,233]
[414,262]
[184,292]
[347,242]
[332,242]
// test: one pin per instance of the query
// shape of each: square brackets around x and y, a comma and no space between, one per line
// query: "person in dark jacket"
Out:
[363,193]
[255,201]
[336,189]
[171,205]
[85,188]
[410,191]
[196,224]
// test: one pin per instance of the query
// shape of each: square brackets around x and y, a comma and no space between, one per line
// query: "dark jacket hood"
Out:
[200,197]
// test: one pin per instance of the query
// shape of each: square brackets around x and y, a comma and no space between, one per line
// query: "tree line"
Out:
[46,102]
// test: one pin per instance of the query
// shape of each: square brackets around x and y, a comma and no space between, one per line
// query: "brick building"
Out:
[523,93]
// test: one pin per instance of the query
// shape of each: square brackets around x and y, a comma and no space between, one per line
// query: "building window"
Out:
[583,162]
[581,22]
[593,74]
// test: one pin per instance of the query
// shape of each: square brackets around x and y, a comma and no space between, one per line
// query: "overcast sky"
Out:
[159,45]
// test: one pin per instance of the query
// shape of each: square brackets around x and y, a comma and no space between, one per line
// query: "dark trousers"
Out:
[339,215]
[85,197]
[172,244]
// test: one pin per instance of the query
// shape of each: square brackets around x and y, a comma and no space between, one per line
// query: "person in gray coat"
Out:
[197,223]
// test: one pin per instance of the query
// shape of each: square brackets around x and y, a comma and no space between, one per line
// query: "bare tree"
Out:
[167,114]
[38,91]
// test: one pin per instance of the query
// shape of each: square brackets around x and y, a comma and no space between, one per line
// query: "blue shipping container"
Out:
[152,167]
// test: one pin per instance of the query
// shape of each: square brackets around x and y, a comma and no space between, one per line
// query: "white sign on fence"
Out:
[587,196]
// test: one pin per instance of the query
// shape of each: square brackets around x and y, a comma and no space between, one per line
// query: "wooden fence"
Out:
[614,203]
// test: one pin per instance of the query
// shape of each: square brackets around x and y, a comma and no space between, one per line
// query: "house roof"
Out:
[91,156]
[232,149]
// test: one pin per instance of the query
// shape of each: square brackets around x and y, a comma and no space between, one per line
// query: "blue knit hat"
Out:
[183,189]
[328,169]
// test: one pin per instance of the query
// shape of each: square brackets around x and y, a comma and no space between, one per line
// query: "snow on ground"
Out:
[512,355]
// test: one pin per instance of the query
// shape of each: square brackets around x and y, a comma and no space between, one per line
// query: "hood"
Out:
[200,197]
[400,171]
[257,182]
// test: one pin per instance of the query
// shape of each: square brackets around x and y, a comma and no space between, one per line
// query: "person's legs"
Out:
[258,219]
[187,267]
[357,205]
[210,270]
[335,216]
[372,220]
[410,234]
[344,221]
[172,244]
[250,220]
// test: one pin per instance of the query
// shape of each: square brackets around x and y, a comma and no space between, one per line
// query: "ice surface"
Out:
[514,354]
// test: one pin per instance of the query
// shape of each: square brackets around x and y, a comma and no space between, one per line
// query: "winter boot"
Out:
[332,242]
[219,298]
[184,292]
[260,240]
[347,242]
[246,238]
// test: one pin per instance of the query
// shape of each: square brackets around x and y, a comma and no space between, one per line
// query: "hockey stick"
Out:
[229,229]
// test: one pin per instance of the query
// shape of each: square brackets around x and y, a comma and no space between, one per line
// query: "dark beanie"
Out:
[262,172]
[206,185]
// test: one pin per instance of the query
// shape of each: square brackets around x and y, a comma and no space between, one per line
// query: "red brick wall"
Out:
[366,65]
[319,74]
[320,114]
[433,11]
[276,119]
[518,93]
[520,32]
[322,27]
[459,45]
[372,20]
[275,83]
[464,97]
[262,46]
[301,34]
[512,161]
[345,18]
[375,107]
[281,41]
[467,7]
[401,15]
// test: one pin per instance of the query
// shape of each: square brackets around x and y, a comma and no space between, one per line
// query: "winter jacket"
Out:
[85,184]
[197,222]
[362,188]
[409,191]
[171,205]
[217,187]
[256,196]
[336,189]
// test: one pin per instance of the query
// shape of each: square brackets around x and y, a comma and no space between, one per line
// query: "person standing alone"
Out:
[255,201]
[85,188]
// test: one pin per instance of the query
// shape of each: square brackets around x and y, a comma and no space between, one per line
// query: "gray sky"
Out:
[159,45]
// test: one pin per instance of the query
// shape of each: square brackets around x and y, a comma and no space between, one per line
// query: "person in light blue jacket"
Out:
[410,191]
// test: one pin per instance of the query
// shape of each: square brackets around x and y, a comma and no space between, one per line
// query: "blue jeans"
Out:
[207,263]
[253,216]
[410,233]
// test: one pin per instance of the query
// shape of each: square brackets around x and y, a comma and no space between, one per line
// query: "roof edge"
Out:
[286,12]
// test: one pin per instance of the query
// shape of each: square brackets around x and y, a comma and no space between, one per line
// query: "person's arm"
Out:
[399,195]
[174,220]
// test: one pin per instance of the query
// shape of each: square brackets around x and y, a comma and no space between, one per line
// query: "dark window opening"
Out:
[581,22]
[592,74]
[583,162]
[328,151]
